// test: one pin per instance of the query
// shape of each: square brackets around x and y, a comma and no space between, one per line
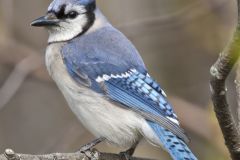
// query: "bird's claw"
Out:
[125,155]
[90,145]
[89,151]
[90,154]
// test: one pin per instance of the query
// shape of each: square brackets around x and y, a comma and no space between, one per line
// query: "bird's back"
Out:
[106,45]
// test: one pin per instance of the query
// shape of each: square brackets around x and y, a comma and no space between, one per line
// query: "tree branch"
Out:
[219,73]
[238,92]
[93,155]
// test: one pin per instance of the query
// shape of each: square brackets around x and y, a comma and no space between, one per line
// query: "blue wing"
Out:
[142,94]
[132,89]
[121,77]
[140,90]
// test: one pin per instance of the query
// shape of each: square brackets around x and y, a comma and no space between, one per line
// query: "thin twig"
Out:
[219,73]
[21,70]
[177,18]
[182,13]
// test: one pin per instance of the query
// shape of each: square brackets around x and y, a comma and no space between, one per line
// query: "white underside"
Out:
[119,126]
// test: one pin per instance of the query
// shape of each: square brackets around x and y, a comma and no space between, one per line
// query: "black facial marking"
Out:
[61,13]
[90,8]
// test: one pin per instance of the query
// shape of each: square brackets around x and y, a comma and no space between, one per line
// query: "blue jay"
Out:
[105,81]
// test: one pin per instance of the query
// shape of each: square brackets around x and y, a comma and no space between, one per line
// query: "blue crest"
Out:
[85,2]
[57,4]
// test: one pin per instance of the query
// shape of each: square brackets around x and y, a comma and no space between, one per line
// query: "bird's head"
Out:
[66,19]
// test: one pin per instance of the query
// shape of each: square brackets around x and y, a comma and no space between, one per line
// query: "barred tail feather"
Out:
[174,145]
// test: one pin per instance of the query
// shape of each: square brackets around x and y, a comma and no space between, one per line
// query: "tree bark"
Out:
[219,73]
[238,91]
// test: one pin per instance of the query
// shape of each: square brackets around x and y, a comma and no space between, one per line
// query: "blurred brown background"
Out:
[179,40]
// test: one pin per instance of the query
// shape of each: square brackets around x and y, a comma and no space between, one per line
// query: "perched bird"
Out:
[105,81]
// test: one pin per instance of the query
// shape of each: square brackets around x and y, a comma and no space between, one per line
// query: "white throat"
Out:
[72,28]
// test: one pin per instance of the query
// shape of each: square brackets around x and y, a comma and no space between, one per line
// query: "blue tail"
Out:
[174,145]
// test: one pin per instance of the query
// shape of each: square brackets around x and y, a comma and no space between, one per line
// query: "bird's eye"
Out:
[72,14]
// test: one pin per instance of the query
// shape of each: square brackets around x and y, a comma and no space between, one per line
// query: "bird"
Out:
[105,81]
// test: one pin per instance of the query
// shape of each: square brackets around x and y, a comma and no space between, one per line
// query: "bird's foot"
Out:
[90,145]
[127,155]
[88,149]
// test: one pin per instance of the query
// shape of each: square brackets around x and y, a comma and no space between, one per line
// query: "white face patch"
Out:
[69,28]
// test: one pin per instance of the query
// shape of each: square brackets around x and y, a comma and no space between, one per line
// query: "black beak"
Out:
[49,20]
